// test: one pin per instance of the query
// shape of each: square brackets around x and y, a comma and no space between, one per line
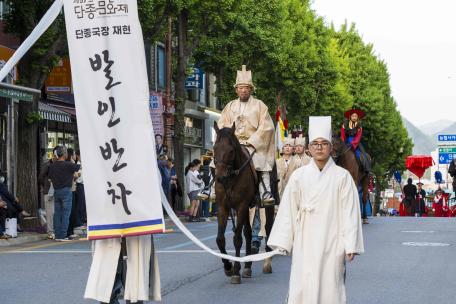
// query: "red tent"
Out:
[417,164]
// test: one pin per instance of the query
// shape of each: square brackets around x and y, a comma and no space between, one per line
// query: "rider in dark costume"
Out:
[351,133]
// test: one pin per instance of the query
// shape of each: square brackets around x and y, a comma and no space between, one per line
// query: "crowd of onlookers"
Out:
[62,184]
[197,178]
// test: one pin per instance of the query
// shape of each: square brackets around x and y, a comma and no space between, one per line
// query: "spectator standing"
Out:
[206,177]
[48,193]
[74,217]
[61,173]
[80,194]
[194,186]
[174,187]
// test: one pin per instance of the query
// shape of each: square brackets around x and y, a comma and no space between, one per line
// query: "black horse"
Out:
[236,187]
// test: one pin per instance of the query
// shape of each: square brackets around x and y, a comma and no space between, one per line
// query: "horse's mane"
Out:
[228,133]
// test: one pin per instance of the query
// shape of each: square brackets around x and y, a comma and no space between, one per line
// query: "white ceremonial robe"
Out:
[254,126]
[141,257]
[318,222]
[303,159]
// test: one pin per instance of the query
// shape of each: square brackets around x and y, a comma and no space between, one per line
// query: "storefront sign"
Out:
[16,94]
[5,55]
[156,112]
[195,80]
[59,80]
[111,90]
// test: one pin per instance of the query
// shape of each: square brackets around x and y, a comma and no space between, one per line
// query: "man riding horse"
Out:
[254,130]
[244,157]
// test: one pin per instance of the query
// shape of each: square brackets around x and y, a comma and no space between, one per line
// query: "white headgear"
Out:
[320,127]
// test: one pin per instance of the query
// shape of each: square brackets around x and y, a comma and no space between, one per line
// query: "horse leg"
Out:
[269,211]
[222,218]
[365,192]
[247,272]
[237,240]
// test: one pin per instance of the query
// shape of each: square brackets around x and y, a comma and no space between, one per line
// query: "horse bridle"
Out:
[238,171]
[338,155]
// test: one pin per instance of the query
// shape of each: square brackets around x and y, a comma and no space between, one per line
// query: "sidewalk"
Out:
[26,237]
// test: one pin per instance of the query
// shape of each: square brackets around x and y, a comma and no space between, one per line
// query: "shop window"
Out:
[161,67]
[193,133]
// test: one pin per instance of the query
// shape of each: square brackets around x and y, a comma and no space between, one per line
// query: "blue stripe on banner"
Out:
[126,225]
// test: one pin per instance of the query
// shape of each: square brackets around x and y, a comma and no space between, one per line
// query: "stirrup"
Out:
[267,200]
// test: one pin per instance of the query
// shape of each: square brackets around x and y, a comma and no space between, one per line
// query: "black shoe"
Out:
[255,247]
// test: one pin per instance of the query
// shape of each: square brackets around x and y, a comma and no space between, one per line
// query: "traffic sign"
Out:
[448,149]
[446,138]
[446,158]
[195,79]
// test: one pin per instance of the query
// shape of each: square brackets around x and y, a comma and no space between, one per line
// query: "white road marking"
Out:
[418,231]
[425,244]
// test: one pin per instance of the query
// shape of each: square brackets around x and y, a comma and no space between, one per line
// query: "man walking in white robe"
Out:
[318,223]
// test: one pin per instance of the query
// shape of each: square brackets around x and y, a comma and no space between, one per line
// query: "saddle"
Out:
[257,178]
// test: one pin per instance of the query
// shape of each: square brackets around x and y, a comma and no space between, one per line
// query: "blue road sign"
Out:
[446,137]
[195,80]
[446,158]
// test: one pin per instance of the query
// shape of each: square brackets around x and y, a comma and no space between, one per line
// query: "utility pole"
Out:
[168,102]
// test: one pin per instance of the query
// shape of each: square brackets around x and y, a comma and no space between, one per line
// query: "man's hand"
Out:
[2,204]
[350,257]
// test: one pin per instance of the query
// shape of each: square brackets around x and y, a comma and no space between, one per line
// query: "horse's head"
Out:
[338,148]
[225,148]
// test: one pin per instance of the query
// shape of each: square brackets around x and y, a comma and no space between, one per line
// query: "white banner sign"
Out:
[115,130]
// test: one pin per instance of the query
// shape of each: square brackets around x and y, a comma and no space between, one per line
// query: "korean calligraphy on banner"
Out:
[115,130]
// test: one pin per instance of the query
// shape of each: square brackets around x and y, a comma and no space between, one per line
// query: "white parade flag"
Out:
[111,91]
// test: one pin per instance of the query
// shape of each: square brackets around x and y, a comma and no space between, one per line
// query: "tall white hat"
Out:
[300,141]
[244,77]
[289,141]
[320,127]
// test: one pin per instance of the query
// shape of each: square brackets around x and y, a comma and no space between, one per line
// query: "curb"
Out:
[23,239]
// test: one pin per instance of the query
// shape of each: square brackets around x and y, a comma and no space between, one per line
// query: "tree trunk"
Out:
[182,58]
[27,185]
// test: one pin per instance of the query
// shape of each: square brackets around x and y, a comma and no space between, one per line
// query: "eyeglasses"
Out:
[319,145]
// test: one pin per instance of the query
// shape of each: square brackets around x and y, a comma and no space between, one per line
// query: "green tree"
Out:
[33,70]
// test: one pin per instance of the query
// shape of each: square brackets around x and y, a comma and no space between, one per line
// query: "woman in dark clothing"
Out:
[419,207]
[410,194]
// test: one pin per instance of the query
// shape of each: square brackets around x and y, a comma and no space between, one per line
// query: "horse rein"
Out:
[337,156]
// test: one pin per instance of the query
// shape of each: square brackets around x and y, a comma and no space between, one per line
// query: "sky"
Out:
[417,40]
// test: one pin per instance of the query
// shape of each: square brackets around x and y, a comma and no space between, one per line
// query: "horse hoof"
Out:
[228,273]
[247,273]
[235,279]
[267,268]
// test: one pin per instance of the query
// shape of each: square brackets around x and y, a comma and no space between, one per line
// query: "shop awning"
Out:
[49,112]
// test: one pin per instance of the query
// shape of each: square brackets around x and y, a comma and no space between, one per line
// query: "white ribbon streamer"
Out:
[249,258]
[41,27]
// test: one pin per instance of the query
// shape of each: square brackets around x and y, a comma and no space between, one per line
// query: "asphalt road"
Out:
[407,260]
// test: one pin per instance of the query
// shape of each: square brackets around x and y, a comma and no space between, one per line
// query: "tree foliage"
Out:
[315,68]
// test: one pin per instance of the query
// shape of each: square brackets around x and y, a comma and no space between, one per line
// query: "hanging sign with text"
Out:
[115,130]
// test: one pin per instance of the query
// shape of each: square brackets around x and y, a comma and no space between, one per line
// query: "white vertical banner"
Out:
[115,130]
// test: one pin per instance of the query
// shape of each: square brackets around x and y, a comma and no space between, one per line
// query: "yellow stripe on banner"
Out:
[125,230]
